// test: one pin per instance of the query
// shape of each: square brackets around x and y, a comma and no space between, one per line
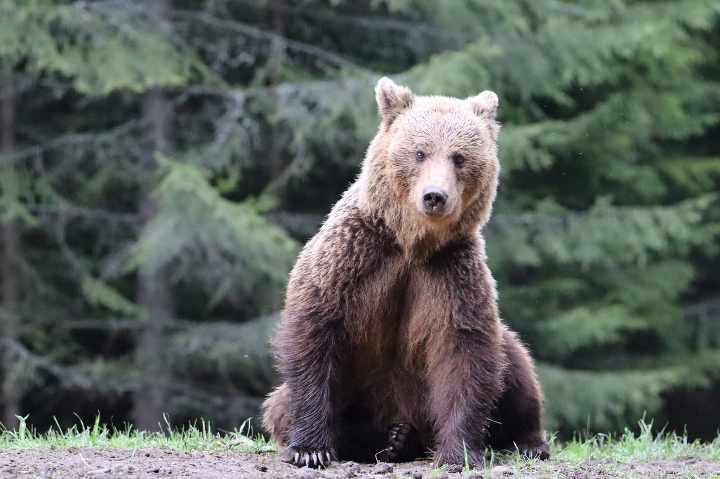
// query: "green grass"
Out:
[643,446]
[627,447]
[196,437]
[612,454]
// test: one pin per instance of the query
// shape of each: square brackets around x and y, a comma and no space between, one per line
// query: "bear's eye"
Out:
[420,155]
[458,159]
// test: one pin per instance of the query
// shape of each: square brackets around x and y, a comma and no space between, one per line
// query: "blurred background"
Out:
[162,162]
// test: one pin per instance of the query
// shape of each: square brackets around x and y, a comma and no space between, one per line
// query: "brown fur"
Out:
[391,314]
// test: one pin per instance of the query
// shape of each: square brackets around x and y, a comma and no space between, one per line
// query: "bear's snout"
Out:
[434,200]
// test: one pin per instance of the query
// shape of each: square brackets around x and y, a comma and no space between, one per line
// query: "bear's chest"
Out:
[400,306]
[377,301]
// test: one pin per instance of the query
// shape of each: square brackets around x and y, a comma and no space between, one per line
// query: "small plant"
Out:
[466,468]
[22,427]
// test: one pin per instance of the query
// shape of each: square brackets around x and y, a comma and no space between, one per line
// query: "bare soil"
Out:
[158,463]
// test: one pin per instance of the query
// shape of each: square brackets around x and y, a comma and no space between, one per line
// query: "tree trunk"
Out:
[11,393]
[153,290]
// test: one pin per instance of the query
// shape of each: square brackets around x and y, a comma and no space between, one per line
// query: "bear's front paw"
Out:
[308,456]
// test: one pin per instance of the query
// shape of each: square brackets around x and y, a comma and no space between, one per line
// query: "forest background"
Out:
[162,162]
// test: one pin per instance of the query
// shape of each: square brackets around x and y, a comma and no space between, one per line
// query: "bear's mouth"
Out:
[435,212]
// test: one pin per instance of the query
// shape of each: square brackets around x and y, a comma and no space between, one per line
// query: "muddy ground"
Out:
[158,463]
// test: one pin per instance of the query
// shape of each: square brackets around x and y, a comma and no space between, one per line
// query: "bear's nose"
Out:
[434,199]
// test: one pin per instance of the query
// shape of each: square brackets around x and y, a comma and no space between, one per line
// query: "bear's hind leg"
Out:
[517,422]
[276,414]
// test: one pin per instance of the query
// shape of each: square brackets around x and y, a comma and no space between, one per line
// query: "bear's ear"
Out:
[485,105]
[392,99]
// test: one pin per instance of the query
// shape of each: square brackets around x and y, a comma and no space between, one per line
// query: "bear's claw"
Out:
[309,457]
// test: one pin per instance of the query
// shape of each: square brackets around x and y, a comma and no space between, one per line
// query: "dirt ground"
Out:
[157,463]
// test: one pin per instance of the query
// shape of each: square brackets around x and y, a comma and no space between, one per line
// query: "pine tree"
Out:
[60,40]
[113,210]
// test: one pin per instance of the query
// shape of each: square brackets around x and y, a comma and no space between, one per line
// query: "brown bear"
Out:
[390,344]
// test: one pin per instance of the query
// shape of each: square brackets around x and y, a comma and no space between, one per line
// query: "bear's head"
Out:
[432,169]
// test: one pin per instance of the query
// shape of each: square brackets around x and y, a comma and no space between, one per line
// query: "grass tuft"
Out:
[645,445]
[195,437]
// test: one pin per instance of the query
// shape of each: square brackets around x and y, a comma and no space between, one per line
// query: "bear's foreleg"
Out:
[465,358]
[309,368]
[464,386]
[324,313]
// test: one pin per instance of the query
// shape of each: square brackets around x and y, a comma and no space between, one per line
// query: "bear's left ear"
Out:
[485,105]
[392,99]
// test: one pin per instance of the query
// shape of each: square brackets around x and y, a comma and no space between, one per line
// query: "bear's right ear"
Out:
[392,99]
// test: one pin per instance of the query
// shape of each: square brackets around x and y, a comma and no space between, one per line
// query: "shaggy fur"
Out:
[391,319]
